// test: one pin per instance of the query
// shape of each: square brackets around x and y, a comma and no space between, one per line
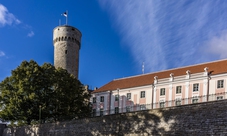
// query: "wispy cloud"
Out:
[7,18]
[216,46]
[166,34]
[31,34]
[2,54]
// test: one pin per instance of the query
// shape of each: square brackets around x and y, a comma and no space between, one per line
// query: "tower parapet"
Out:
[67,43]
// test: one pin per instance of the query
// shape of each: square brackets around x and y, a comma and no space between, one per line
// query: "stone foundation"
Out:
[209,118]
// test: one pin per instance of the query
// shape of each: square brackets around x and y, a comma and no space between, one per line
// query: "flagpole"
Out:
[143,68]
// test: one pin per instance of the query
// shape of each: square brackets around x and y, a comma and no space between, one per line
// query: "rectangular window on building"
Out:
[128,96]
[178,89]
[162,91]
[94,112]
[219,97]
[128,109]
[195,100]
[66,51]
[220,84]
[116,97]
[101,112]
[142,107]
[195,87]
[178,102]
[102,99]
[142,94]
[94,99]
[116,110]
[162,104]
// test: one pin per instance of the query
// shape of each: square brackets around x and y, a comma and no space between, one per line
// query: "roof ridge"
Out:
[170,69]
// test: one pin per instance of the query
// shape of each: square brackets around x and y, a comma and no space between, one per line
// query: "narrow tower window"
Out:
[66,51]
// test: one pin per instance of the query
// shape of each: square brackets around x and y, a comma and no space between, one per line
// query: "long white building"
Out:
[173,87]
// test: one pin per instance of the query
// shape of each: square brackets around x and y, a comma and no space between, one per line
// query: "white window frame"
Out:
[117,97]
[101,112]
[162,91]
[178,102]
[94,100]
[220,84]
[195,87]
[218,97]
[128,108]
[102,98]
[162,104]
[128,96]
[142,94]
[178,89]
[116,110]
[193,100]
[143,107]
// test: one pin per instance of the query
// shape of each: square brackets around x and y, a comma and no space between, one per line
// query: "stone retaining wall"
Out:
[208,118]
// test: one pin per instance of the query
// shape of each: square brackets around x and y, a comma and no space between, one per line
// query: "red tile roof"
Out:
[217,67]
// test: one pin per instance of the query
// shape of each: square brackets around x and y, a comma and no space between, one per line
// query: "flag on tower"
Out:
[64,14]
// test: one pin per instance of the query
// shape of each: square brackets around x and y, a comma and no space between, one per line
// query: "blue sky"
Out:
[117,35]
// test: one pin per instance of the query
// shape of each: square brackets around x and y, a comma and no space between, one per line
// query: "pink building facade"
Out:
[174,87]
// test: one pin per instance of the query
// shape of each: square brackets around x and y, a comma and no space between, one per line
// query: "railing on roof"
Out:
[162,104]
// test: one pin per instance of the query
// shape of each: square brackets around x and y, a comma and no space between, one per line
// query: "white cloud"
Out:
[2,54]
[7,18]
[217,46]
[167,34]
[30,34]
[135,20]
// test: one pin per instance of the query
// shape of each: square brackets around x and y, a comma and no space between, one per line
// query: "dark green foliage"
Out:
[32,88]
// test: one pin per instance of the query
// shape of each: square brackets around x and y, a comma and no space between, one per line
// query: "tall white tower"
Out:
[66,40]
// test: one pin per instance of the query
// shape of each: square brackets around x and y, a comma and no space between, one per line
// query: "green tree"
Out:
[32,89]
